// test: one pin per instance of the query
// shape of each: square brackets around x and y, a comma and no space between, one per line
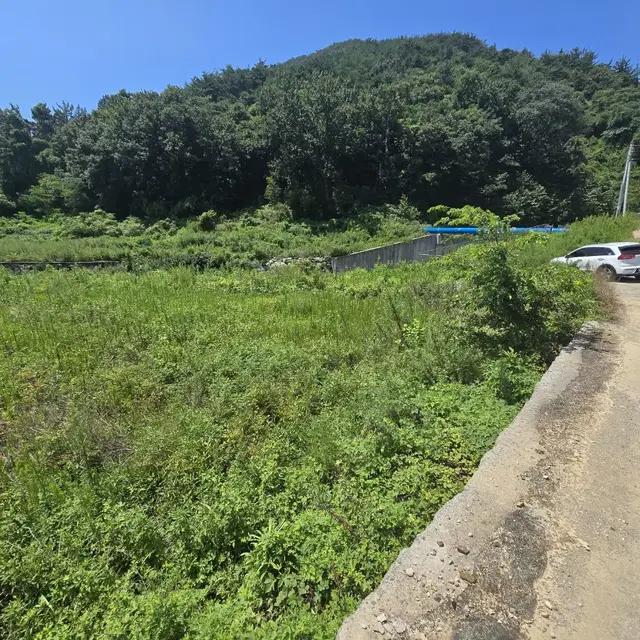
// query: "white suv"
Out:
[611,260]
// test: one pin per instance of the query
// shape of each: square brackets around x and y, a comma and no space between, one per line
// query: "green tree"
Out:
[18,165]
[331,142]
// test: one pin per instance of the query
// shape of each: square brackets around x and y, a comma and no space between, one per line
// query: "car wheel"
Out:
[607,272]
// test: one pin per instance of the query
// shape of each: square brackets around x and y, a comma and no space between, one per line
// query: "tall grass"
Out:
[239,454]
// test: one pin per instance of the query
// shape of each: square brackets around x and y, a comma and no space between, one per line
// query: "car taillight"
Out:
[626,256]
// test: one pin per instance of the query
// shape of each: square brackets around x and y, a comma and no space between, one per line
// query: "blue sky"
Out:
[80,50]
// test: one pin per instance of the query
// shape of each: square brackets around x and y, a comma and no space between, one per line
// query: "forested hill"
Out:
[441,119]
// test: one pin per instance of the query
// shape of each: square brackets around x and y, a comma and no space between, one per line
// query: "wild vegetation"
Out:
[441,119]
[246,240]
[235,454]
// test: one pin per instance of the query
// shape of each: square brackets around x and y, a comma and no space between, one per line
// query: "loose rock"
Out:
[381,618]
[440,543]
[468,575]
[463,550]
[399,626]
[410,572]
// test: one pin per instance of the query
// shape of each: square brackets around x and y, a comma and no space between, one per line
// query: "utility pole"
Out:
[623,197]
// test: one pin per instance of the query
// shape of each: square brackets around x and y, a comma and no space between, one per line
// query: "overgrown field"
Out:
[245,240]
[242,454]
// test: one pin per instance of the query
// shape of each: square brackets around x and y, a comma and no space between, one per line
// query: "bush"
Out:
[161,228]
[277,212]
[208,220]
[131,227]
[405,210]
[503,305]
[90,225]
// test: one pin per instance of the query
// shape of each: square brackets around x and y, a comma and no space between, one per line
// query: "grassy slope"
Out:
[239,454]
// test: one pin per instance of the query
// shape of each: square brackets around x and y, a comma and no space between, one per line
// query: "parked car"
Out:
[612,260]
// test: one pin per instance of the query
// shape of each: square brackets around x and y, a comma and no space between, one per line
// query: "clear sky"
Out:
[79,50]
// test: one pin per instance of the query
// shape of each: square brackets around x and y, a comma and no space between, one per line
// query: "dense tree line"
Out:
[442,119]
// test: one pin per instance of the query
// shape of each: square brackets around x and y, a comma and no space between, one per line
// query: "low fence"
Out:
[418,250]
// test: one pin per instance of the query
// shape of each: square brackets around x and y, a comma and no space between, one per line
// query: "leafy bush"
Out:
[131,227]
[278,212]
[512,376]
[90,225]
[207,221]
[161,228]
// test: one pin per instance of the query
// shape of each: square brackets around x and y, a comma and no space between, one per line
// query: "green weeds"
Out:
[246,241]
[240,454]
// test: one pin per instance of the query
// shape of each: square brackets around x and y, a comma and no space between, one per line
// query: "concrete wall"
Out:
[417,250]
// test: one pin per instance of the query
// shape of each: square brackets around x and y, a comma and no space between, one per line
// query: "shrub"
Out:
[208,220]
[90,225]
[162,228]
[512,376]
[277,212]
[131,227]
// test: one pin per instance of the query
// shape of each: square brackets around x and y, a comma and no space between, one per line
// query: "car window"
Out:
[578,253]
[630,248]
[599,251]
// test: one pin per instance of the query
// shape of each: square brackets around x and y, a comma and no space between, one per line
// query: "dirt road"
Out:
[545,540]
[597,592]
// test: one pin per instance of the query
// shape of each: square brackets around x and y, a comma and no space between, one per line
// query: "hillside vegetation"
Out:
[235,454]
[246,240]
[441,119]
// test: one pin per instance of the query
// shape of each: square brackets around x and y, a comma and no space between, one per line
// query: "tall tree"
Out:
[18,165]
